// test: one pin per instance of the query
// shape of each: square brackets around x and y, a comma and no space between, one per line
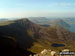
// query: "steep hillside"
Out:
[9,47]
[21,30]
[35,38]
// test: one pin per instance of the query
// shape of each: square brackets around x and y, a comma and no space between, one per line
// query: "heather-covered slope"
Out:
[35,38]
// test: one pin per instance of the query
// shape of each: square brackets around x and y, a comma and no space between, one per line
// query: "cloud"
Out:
[67,4]
[62,4]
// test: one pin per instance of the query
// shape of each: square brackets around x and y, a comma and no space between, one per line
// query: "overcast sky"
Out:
[37,8]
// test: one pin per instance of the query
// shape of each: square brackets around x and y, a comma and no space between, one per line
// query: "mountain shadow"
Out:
[9,47]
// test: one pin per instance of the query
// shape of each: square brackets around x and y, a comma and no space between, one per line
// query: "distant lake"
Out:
[72,29]
[57,45]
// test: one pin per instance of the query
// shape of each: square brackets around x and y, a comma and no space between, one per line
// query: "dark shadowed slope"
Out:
[9,47]
[21,30]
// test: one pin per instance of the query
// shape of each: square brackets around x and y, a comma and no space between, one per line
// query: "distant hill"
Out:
[39,20]
[60,22]
[3,20]
[43,21]
[35,38]
[71,22]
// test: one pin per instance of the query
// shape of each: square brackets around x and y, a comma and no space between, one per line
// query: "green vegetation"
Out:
[6,23]
[36,48]
[30,33]
[12,38]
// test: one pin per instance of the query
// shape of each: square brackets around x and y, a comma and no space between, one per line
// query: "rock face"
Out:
[46,52]
[35,38]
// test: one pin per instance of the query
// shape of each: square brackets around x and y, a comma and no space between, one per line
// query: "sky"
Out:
[37,8]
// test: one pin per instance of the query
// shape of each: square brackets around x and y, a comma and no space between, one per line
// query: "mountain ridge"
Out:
[31,36]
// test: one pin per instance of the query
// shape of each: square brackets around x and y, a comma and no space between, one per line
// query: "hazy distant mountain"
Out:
[39,20]
[35,38]
[3,20]
[72,28]
[60,22]
[71,22]
[43,21]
